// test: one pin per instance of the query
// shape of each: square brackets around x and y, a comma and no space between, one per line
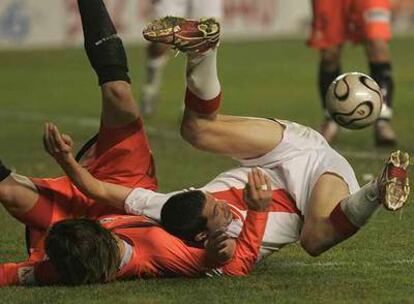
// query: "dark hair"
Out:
[82,251]
[181,214]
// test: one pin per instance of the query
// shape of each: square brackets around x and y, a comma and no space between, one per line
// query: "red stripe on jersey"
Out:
[282,201]
[236,213]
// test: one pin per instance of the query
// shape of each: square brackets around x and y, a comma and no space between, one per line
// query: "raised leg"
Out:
[108,58]
[328,222]
[202,125]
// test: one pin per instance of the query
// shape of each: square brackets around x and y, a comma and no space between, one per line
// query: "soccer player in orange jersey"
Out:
[360,21]
[90,242]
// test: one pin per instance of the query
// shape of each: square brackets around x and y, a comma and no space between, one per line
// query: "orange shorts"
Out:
[118,155]
[335,22]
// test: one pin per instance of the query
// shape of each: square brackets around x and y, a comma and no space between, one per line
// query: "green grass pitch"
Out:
[270,79]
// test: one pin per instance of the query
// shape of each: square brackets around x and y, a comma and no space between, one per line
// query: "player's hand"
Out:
[219,247]
[58,145]
[258,191]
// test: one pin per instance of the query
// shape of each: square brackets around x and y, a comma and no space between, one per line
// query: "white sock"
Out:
[361,205]
[202,79]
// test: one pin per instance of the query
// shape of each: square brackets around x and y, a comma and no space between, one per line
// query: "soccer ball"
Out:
[354,100]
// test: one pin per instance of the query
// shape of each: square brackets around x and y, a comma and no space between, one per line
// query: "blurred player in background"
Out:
[157,54]
[361,21]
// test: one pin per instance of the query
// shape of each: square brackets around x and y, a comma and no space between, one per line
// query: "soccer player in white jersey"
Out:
[316,197]
[157,54]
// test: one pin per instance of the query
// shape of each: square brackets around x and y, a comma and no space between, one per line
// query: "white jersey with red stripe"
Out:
[294,166]
[284,221]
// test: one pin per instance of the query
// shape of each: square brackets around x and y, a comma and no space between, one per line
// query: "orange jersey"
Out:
[335,22]
[120,155]
[156,253]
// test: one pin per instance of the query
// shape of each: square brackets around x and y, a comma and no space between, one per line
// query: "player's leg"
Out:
[328,34]
[122,153]
[375,17]
[21,198]
[108,58]
[202,126]
[328,222]
[329,70]
[157,55]
[17,193]
[318,233]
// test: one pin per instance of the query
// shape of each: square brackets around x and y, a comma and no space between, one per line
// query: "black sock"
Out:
[325,79]
[382,74]
[4,172]
[104,48]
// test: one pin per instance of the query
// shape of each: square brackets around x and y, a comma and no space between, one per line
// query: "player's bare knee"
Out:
[190,130]
[313,237]
[7,194]
[117,91]
[311,245]
[193,131]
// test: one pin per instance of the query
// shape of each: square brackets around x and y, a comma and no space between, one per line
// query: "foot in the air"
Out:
[384,134]
[194,36]
[329,130]
[393,184]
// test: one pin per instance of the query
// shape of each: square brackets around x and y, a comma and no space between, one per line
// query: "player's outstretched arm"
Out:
[59,146]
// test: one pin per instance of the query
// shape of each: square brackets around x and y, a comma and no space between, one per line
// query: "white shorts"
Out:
[300,159]
[193,9]
[294,166]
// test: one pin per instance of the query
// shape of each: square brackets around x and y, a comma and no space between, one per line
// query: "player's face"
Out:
[217,212]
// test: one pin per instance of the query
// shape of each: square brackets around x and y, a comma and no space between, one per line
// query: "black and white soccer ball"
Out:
[354,100]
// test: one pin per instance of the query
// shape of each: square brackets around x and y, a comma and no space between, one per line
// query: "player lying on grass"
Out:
[316,198]
[318,180]
[95,243]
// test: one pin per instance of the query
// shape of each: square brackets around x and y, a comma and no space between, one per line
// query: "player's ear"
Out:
[201,237]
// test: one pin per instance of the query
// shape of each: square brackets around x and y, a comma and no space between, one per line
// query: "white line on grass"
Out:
[39,117]
[86,122]
[91,122]
[341,264]
[364,155]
